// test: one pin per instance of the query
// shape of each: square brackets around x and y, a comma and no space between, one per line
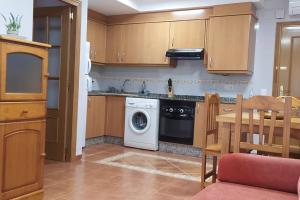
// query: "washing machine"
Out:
[141,123]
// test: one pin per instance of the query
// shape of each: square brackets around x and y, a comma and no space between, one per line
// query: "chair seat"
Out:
[214,148]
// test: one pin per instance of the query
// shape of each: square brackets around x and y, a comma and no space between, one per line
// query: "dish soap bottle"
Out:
[170,88]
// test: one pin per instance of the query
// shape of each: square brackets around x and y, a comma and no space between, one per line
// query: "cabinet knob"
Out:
[43,155]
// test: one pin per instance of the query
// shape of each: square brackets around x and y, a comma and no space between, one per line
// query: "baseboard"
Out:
[37,195]
[180,149]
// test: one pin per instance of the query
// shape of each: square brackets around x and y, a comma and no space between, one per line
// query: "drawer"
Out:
[22,110]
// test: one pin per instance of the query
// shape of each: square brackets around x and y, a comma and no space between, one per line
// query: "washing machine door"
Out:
[139,121]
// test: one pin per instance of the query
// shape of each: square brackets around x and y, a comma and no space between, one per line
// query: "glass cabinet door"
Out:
[24,70]
[23,73]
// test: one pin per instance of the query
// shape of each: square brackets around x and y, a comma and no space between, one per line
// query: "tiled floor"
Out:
[89,180]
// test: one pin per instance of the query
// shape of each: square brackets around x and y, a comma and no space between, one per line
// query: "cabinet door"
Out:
[91,37]
[115,43]
[24,72]
[22,158]
[115,116]
[96,114]
[146,43]
[231,41]
[188,34]
[96,35]
[100,43]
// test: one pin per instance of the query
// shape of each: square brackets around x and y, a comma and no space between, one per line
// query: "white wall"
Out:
[18,7]
[192,78]
[82,98]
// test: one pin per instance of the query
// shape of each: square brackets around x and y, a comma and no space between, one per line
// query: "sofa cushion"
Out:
[260,171]
[231,191]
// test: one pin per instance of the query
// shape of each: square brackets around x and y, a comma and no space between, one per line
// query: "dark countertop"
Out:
[225,100]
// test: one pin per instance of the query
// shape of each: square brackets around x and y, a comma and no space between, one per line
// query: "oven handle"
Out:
[178,117]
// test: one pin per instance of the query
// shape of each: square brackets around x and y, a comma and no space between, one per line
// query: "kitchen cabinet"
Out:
[231,44]
[115,43]
[22,157]
[135,44]
[199,121]
[96,114]
[23,100]
[96,35]
[115,116]
[188,34]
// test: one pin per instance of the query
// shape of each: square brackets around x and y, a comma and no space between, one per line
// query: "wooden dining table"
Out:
[227,121]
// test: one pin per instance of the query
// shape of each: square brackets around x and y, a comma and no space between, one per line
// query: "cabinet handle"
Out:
[173,41]
[24,113]
[118,57]
[210,62]
[43,155]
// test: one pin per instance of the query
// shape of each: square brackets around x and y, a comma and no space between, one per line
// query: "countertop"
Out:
[225,100]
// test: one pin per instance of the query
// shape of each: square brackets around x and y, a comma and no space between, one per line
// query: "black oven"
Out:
[176,122]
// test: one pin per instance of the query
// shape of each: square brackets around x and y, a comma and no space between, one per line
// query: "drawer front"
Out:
[22,110]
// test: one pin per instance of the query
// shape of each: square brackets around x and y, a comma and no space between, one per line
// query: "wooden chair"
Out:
[265,128]
[212,105]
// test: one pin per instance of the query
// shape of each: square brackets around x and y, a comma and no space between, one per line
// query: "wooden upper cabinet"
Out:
[145,43]
[24,70]
[115,116]
[231,44]
[96,114]
[22,154]
[96,35]
[188,34]
[115,43]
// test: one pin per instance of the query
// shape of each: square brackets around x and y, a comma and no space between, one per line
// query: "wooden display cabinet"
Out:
[23,100]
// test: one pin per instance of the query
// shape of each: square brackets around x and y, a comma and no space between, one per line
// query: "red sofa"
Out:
[252,177]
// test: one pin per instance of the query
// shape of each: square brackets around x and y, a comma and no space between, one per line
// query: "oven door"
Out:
[176,128]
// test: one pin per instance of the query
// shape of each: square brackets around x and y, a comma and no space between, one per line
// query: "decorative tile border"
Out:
[110,161]
[190,82]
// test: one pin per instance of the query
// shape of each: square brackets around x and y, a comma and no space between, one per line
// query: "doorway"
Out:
[287,60]
[54,23]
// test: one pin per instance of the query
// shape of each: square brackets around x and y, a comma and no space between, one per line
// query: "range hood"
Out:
[185,54]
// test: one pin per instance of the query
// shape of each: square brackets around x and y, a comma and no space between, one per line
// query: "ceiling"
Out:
[118,7]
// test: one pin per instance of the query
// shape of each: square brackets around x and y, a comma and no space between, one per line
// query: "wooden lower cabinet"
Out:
[96,114]
[199,121]
[22,158]
[115,116]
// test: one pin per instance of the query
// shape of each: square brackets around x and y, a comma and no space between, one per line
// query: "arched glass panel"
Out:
[23,73]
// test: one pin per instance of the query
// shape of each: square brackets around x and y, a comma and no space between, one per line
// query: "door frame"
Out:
[74,80]
[279,27]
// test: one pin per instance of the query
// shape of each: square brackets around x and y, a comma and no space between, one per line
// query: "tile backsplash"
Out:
[189,78]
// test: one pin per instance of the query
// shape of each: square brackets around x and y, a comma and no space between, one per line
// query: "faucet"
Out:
[123,85]
[143,88]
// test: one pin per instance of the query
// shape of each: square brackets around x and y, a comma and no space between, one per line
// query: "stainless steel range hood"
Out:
[185,54]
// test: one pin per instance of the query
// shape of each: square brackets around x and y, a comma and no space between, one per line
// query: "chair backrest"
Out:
[211,110]
[252,112]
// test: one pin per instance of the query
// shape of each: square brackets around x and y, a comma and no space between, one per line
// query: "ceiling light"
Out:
[128,3]
[187,12]
[293,28]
